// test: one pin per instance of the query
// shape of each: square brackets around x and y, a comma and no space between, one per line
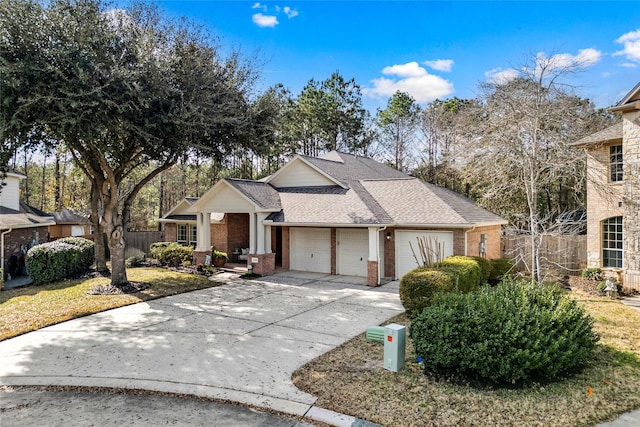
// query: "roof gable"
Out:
[182,208]
[299,172]
[238,196]
[631,101]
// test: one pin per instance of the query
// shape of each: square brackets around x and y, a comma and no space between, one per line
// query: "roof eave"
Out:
[634,105]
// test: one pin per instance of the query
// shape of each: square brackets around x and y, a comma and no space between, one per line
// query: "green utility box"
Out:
[394,347]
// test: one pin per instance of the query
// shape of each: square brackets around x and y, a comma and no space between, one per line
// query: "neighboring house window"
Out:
[182,233]
[193,236]
[615,163]
[612,242]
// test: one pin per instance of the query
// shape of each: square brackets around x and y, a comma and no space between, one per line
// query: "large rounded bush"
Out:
[67,257]
[419,287]
[171,253]
[514,332]
[485,268]
[467,270]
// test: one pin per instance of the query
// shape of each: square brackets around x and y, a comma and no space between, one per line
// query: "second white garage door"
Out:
[311,249]
[352,251]
[405,261]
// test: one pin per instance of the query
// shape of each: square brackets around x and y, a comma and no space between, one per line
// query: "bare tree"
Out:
[520,158]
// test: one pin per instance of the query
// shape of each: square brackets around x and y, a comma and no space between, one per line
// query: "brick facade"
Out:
[21,238]
[372,273]
[493,242]
[266,263]
[608,199]
[631,204]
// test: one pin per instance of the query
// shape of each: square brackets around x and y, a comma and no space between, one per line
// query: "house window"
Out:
[193,235]
[182,233]
[615,163]
[612,242]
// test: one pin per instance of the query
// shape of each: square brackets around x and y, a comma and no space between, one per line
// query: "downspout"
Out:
[465,239]
[2,252]
[380,264]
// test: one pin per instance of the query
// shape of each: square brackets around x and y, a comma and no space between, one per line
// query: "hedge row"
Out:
[459,274]
[66,257]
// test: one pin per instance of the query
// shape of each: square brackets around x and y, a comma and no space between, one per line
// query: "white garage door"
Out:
[352,251]
[405,261]
[311,249]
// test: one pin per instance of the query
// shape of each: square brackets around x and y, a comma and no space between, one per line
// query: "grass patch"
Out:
[27,309]
[351,380]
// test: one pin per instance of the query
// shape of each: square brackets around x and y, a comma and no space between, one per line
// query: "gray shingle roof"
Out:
[353,168]
[258,192]
[69,217]
[27,216]
[610,134]
[323,205]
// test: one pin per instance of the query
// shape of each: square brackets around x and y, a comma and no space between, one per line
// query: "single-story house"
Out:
[613,194]
[338,214]
[70,224]
[21,226]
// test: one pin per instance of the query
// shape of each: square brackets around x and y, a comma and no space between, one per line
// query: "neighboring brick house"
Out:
[613,194]
[21,227]
[336,214]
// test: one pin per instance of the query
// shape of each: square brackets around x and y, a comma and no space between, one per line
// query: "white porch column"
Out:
[267,238]
[252,232]
[373,244]
[260,228]
[203,230]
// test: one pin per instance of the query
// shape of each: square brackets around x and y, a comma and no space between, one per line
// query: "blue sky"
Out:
[428,49]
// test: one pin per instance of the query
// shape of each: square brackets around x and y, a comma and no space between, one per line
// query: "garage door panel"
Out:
[406,239]
[311,249]
[352,251]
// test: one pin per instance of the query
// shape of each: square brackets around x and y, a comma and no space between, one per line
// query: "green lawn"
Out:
[27,309]
[351,380]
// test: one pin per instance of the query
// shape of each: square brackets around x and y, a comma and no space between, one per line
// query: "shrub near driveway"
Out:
[24,310]
[516,332]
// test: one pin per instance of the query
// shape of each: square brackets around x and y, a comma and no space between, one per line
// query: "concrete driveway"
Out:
[239,342]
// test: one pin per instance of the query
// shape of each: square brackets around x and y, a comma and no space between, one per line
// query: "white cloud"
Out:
[412,79]
[585,58]
[500,76]
[259,6]
[291,13]
[631,43]
[629,65]
[440,64]
[265,20]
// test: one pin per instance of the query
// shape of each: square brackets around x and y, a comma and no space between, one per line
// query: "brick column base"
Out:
[266,264]
[372,273]
[199,257]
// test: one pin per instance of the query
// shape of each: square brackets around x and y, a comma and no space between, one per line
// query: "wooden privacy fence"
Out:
[141,240]
[559,255]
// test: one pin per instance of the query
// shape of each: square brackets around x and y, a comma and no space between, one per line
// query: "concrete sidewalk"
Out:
[238,342]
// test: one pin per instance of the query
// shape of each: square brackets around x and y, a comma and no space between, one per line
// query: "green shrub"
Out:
[171,253]
[467,270]
[485,268]
[419,287]
[499,268]
[86,255]
[156,249]
[67,257]
[592,274]
[511,333]
[136,260]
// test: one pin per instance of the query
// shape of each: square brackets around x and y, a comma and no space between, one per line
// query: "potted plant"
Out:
[219,258]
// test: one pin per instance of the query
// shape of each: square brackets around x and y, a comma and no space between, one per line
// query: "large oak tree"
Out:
[123,89]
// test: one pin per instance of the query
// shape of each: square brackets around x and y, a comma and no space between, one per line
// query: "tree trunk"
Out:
[98,235]
[57,195]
